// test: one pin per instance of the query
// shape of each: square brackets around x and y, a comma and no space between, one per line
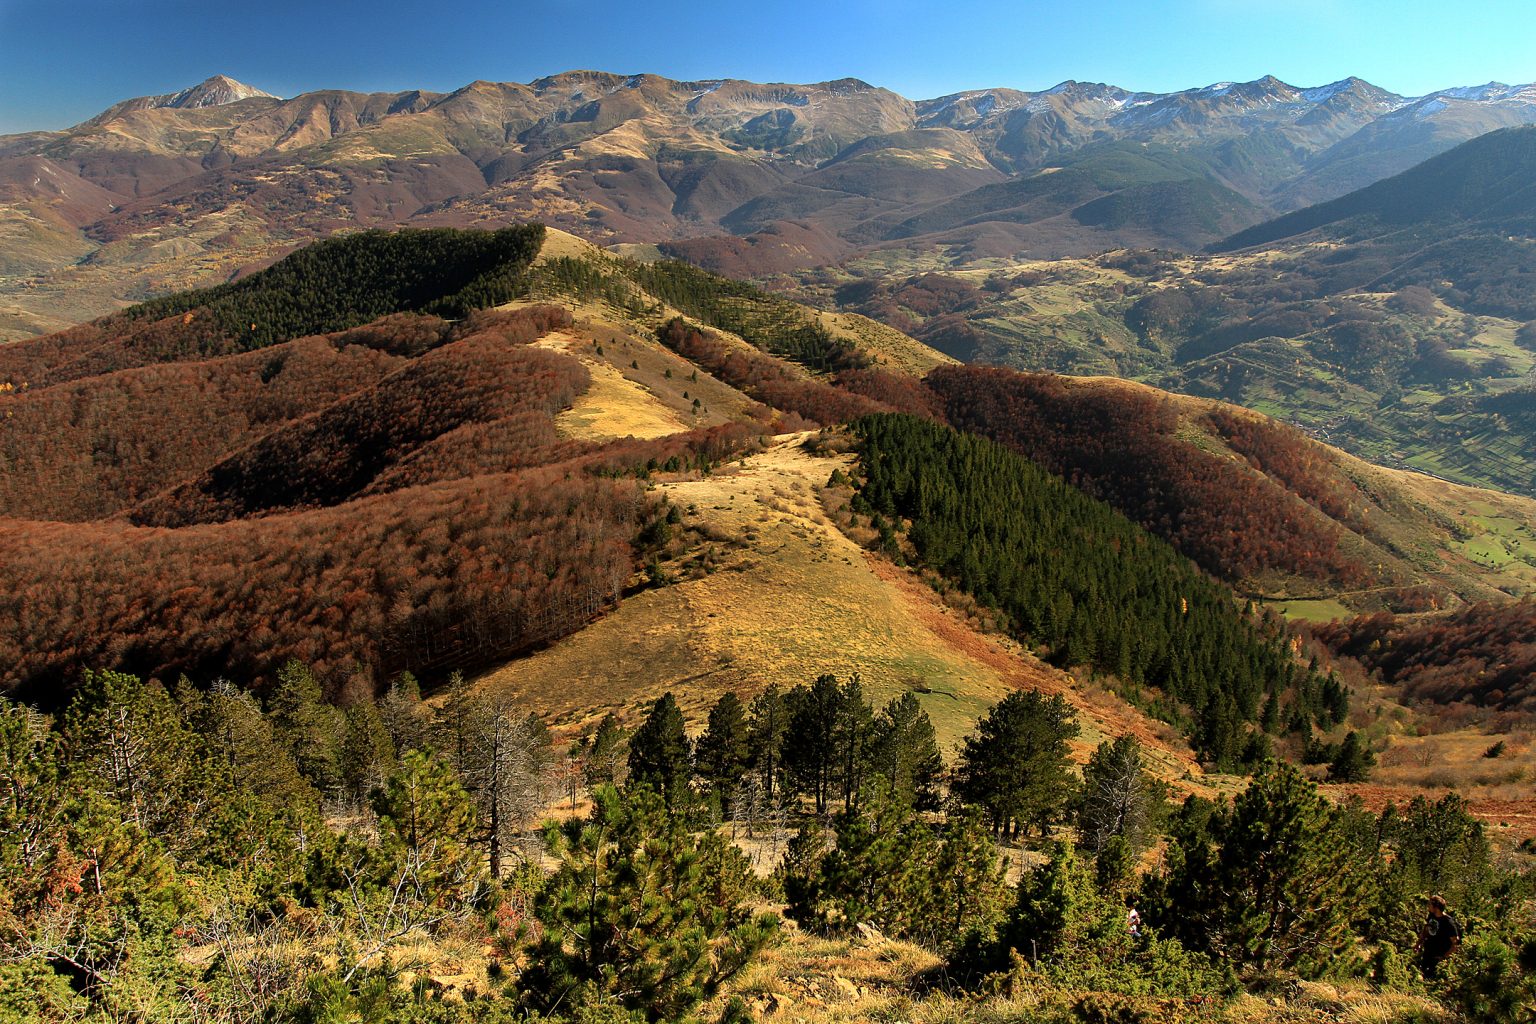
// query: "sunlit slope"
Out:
[772,592]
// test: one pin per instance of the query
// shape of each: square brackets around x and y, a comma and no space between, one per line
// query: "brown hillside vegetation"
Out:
[435,514]
[88,448]
[1254,501]
[93,446]
[450,574]
[1484,654]
[488,398]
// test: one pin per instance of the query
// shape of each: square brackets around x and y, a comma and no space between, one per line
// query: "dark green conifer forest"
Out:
[1081,580]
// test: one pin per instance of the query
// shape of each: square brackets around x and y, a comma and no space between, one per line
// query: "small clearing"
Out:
[612,406]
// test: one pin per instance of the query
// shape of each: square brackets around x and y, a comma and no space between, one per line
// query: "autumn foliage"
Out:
[386,497]
[1122,446]
[765,378]
[88,448]
[478,404]
[1484,654]
[448,575]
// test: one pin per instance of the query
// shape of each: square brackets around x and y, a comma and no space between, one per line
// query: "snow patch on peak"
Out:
[1492,92]
[213,92]
[1324,93]
[1477,93]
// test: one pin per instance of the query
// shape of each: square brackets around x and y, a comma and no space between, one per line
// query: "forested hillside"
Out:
[386,496]
[1096,590]
[1123,446]
[1484,654]
[342,282]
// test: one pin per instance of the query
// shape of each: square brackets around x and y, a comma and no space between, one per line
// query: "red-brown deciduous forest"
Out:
[447,575]
[1483,654]
[89,448]
[483,391]
[1122,446]
[397,498]
[767,379]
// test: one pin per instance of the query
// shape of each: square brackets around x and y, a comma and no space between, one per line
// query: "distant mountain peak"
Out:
[211,92]
[1492,92]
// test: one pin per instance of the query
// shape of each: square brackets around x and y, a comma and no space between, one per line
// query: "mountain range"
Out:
[170,191]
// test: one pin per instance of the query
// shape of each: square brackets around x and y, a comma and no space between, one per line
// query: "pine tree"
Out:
[1015,765]
[366,754]
[1274,883]
[967,895]
[407,719]
[659,752]
[765,739]
[125,739]
[240,738]
[854,734]
[32,811]
[1353,762]
[1440,846]
[308,727]
[1059,905]
[821,741]
[453,725]
[723,751]
[604,753]
[905,751]
[879,870]
[426,820]
[641,911]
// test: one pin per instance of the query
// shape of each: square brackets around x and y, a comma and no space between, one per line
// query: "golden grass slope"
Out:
[789,597]
[886,345]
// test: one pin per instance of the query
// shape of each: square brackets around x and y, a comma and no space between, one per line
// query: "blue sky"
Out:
[63,60]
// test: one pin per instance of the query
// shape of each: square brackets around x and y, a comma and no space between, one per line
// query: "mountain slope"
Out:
[464,496]
[1488,183]
[1395,321]
[774,541]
